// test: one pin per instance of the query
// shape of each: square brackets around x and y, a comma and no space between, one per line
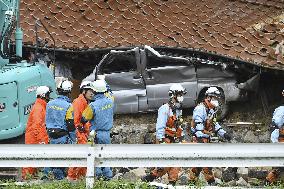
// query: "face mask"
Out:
[180,98]
[215,103]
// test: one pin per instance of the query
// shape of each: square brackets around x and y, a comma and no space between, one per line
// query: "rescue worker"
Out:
[277,136]
[36,130]
[82,131]
[59,120]
[168,130]
[100,113]
[203,126]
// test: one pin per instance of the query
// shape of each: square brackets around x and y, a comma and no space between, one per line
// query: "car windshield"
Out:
[121,63]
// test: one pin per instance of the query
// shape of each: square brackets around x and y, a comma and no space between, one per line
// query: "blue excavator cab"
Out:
[19,79]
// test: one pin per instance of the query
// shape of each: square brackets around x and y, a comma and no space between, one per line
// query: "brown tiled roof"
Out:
[250,30]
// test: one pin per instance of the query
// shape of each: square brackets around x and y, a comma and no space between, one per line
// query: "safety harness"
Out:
[173,130]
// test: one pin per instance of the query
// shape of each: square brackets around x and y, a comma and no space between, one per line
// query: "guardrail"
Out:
[142,155]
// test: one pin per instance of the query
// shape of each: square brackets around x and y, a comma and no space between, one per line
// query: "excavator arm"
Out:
[19,79]
[9,20]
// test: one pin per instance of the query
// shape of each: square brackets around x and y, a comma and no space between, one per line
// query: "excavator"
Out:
[19,78]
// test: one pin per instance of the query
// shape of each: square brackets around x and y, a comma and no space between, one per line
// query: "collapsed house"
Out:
[244,35]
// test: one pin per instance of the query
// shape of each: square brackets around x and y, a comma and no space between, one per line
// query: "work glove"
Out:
[91,138]
[227,136]
[180,119]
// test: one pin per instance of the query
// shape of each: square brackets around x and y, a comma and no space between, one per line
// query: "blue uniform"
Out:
[164,113]
[57,112]
[278,120]
[100,113]
[277,136]
[199,117]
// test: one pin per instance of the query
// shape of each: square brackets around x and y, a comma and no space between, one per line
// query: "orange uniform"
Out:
[35,130]
[207,129]
[168,130]
[274,174]
[79,105]
[173,133]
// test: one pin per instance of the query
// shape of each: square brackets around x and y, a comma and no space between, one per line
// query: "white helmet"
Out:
[86,85]
[213,91]
[99,86]
[101,77]
[43,91]
[65,86]
[177,89]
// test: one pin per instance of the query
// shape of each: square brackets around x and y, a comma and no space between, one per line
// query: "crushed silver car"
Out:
[141,77]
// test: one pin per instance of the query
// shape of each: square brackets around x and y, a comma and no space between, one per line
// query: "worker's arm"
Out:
[219,130]
[278,117]
[87,115]
[70,119]
[161,122]
[217,127]
[77,109]
[39,129]
[79,106]
[199,118]
[278,121]
[274,136]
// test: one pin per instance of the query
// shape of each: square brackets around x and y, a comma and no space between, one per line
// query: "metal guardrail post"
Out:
[142,155]
[90,176]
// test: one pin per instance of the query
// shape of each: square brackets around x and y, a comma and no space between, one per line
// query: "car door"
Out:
[122,73]
[161,72]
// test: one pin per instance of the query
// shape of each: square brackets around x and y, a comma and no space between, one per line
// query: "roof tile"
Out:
[243,29]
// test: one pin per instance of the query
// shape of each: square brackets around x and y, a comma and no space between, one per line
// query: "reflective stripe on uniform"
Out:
[88,113]
[69,113]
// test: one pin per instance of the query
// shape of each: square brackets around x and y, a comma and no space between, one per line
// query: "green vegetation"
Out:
[278,185]
[100,184]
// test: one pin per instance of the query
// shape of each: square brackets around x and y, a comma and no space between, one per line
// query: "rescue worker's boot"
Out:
[72,174]
[28,172]
[149,178]
[272,177]
[208,174]
[173,175]
[194,174]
